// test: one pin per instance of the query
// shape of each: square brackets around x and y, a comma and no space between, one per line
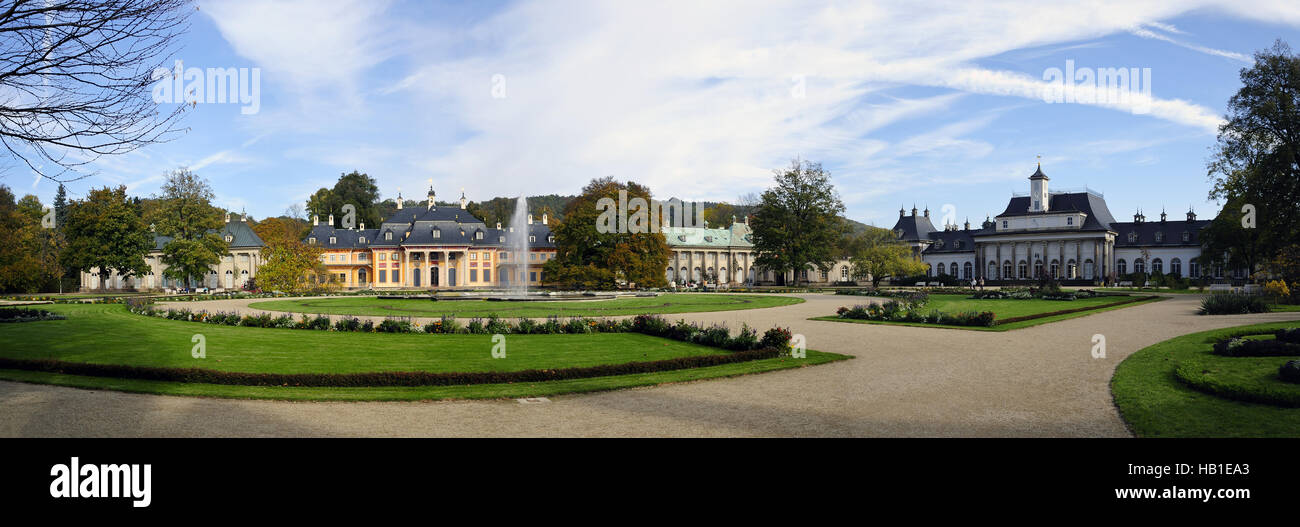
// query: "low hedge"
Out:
[1076,310]
[1191,375]
[379,379]
[1290,371]
[1238,347]
[1233,304]
[16,314]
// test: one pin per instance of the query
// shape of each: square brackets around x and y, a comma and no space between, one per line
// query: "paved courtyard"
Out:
[904,381]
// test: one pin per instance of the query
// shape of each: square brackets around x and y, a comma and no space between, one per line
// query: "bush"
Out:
[391,325]
[747,339]
[14,314]
[776,338]
[1233,304]
[1290,371]
[1238,347]
[1288,335]
[347,324]
[717,336]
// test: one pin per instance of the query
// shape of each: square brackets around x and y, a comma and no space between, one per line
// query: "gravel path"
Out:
[905,381]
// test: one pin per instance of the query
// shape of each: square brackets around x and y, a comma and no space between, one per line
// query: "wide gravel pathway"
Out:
[904,381]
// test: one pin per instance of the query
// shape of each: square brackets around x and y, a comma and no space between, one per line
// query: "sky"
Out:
[937,104]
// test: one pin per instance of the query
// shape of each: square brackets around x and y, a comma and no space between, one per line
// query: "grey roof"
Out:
[955,241]
[1171,232]
[242,236]
[1098,215]
[737,235]
[417,226]
[913,228]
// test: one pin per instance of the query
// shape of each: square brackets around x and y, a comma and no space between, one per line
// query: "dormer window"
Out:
[956,244]
[1132,237]
[229,238]
[1069,221]
[437,233]
[708,239]
[1187,236]
[938,244]
[501,239]
[362,239]
[1160,237]
[1004,224]
[388,236]
[311,241]
[478,235]
[532,239]
[333,240]
[550,238]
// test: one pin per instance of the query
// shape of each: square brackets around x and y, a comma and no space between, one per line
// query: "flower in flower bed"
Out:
[778,338]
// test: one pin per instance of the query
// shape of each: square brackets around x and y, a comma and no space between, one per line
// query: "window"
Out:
[1187,236]
[1132,237]
[473,275]
[1121,267]
[1157,266]
[473,256]
[229,238]
[383,274]
[941,268]
[397,275]
[333,240]
[1160,237]
[383,256]
[1004,224]
[487,256]
[478,235]
[532,256]
[388,236]
[532,277]
[437,233]
[532,239]
[844,273]
[1139,266]
[362,239]
[1176,267]
[1069,220]
[311,241]
[487,275]
[503,256]
[1195,269]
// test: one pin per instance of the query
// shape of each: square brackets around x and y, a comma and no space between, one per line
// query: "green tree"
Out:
[26,263]
[1256,160]
[876,255]
[185,213]
[354,188]
[720,215]
[583,251]
[106,231]
[797,223]
[1224,241]
[291,265]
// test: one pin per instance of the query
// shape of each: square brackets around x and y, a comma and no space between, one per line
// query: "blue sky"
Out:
[905,102]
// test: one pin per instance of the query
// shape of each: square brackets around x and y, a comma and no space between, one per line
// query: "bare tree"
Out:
[75,79]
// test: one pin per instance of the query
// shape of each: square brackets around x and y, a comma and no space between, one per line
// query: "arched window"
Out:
[1157,266]
[1071,270]
[1121,267]
[1194,268]
[1006,270]
[1176,267]
[1038,269]
[1022,270]
[1056,269]
[1139,266]
[941,267]
[966,270]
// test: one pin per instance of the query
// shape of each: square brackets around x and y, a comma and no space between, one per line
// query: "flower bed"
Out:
[15,314]
[895,312]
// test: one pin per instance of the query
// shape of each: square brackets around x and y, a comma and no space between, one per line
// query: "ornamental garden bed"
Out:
[987,314]
[107,346]
[1184,387]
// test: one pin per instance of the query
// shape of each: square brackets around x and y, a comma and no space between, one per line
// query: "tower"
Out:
[431,195]
[1038,201]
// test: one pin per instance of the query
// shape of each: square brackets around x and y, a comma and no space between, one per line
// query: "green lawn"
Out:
[1004,308]
[666,303]
[110,334]
[1155,403]
[1287,308]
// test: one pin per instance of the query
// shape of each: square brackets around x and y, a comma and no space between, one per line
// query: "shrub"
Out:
[717,336]
[683,331]
[476,327]
[496,325]
[1277,289]
[1233,304]
[14,314]
[526,326]
[368,326]
[747,339]
[1238,347]
[347,324]
[391,325]
[1290,371]
[776,338]
[576,325]
[1288,335]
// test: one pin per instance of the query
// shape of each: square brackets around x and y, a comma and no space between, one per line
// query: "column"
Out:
[442,269]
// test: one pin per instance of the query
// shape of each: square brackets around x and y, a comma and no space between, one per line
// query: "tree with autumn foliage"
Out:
[589,259]
[291,265]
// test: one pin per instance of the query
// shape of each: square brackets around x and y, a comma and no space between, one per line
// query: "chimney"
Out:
[913,210]
[331,220]
[363,225]
[927,211]
[399,200]
[315,219]
[530,219]
[227,217]
[498,225]
[543,218]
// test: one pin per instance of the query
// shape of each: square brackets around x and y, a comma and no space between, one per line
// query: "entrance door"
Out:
[415,277]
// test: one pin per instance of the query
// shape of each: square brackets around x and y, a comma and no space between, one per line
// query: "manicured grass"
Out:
[1188,291]
[110,334]
[1004,309]
[666,303]
[1155,403]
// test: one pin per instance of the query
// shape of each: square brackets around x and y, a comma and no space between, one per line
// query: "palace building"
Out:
[235,270]
[1067,235]
[431,247]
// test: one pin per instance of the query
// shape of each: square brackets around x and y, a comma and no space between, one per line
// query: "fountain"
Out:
[518,241]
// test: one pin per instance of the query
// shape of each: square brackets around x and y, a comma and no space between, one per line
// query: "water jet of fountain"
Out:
[518,242]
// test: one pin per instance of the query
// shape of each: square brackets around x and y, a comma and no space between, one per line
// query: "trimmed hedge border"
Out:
[378,379]
[1189,375]
[1013,320]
